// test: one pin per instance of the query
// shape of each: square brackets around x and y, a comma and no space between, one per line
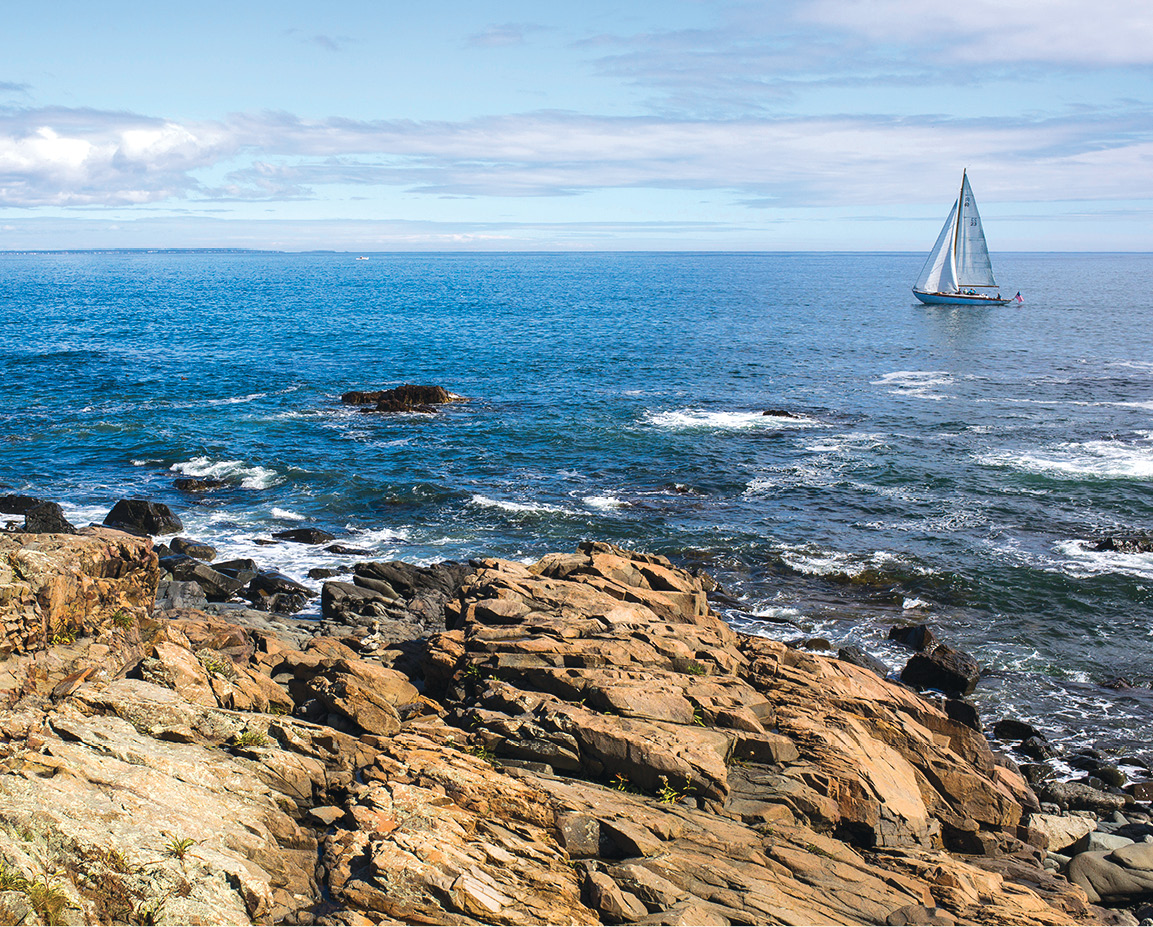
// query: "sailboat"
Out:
[958,271]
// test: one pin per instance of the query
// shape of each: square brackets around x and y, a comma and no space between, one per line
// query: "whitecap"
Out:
[1105,459]
[916,383]
[1084,561]
[683,419]
[286,515]
[250,477]
[510,506]
[605,502]
[914,603]
[236,400]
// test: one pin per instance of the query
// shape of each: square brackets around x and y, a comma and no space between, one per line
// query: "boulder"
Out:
[142,517]
[943,668]
[304,536]
[47,518]
[193,549]
[217,586]
[915,637]
[1120,876]
[1062,831]
[274,592]
[16,504]
[1010,729]
[406,398]
[179,594]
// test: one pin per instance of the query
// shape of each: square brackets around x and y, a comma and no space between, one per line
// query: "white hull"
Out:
[959,299]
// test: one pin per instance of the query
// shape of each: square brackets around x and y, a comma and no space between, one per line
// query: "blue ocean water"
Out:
[949,466]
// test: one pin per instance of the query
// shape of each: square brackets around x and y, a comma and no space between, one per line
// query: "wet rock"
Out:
[1037,748]
[1010,729]
[945,669]
[193,549]
[1125,544]
[406,398]
[915,637]
[142,517]
[304,536]
[859,657]
[963,712]
[780,413]
[243,569]
[47,518]
[16,504]
[198,484]
[217,586]
[274,592]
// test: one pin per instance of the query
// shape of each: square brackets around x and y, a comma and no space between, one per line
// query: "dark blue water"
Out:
[945,465]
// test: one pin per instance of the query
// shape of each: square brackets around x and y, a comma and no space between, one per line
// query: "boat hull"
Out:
[959,299]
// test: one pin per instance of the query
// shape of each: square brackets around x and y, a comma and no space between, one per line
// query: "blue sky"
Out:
[684,124]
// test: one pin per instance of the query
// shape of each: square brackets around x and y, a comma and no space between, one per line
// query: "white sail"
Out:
[960,258]
[939,275]
[974,269]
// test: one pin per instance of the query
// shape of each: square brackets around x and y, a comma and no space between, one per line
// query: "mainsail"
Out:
[960,258]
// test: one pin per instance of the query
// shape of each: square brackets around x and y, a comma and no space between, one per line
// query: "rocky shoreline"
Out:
[581,740]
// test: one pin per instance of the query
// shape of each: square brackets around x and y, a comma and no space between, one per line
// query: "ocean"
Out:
[948,466]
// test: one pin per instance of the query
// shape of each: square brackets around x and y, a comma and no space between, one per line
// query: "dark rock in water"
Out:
[162,550]
[217,586]
[193,549]
[242,569]
[347,551]
[275,592]
[916,637]
[1125,544]
[179,594]
[322,573]
[1037,748]
[47,518]
[1141,791]
[198,484]
[13,504]
[858,657]
[1010,729]
[304,536]
[1117,682]
[945,669]
[1037,773]
[1112,776]
[406,398]
[779,413]
[963,713]
[142,517]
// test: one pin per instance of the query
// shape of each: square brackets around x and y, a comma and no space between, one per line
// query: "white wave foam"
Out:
[509,506]
[683,419]
[1084,561]
[250,477]
[604,503]
[236,400]
[286,514]
[916,383]
[914,603]
[1106,459]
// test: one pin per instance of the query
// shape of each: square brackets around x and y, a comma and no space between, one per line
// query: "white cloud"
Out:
[1102,33]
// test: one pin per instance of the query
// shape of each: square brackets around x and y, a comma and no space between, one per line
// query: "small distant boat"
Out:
[958,271]
[362,258]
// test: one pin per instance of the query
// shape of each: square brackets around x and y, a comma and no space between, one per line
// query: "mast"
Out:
[957,230]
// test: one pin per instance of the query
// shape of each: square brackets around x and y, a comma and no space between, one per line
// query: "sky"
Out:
[508,125]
